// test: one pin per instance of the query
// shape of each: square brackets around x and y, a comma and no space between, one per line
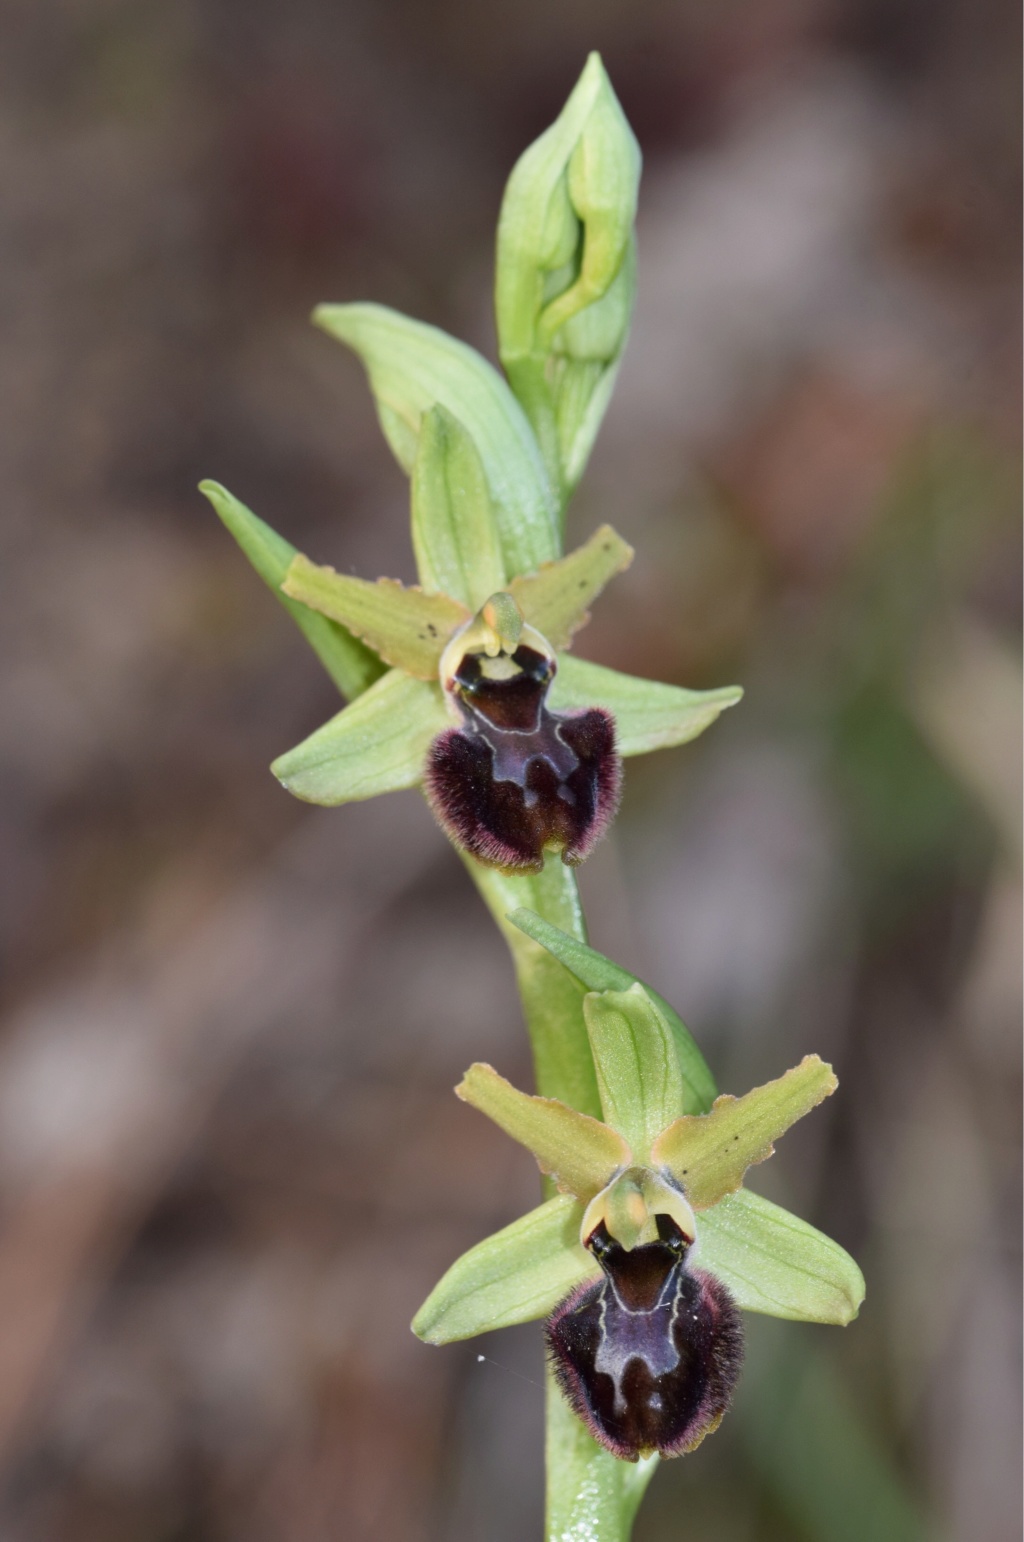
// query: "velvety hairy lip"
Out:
[648,1356]
[516,778]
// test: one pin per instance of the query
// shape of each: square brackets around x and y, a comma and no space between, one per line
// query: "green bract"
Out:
[646,1157]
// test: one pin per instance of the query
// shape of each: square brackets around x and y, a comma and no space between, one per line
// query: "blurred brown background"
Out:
[230,1162]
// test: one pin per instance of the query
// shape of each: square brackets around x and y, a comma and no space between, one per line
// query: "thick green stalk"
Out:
[592,1496]
[552,998]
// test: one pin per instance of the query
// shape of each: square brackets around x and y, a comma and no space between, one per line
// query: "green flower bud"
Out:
[566,271]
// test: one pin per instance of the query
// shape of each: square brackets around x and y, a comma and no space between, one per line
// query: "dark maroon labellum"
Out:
[649,1355]
[516,777]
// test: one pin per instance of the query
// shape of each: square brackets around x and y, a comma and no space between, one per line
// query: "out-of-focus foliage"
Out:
[216,1001]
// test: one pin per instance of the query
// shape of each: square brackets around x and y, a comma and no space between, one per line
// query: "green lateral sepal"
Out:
[637,1065]
[406,627]
[774,1263]
[378,744]
[413,367]
[580,1153]
[516,1275]
[708,1154]
[648,715]
[598,973]
[555,599]
[352,666]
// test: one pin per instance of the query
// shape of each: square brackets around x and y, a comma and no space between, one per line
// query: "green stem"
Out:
[552,998]
[592,1496]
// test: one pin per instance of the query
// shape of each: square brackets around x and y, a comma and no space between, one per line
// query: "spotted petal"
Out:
[708,1154]
[519,1273]
[555,599]
[406,627]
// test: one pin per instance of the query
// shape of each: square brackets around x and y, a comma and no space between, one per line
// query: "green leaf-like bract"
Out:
[598,973]
[413,367]
[351,665]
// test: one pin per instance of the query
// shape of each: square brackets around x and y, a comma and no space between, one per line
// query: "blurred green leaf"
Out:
[774,1263]
[648,715]
[413,367]
[350,664]
[823,1460]
[378,744]
[455,535]
[406,627]
[565,270]
[637,1065]
[598,973]
[516,1275]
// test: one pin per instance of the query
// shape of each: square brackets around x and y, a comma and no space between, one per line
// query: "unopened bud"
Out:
[565,270]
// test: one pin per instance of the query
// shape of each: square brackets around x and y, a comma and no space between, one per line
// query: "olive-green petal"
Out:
[648,715]
[580,1153]
[412,367]
[378,744]
[555,599]
[708,1154]
[406,627]
[772,1262]
[637,1066]
[598,973]
[351,665]
[518,1274]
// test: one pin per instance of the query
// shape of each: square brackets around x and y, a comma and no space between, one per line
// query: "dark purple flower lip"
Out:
[647,1356]
[517,778]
